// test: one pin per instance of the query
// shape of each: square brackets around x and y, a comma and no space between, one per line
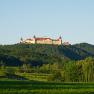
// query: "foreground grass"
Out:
[33,87]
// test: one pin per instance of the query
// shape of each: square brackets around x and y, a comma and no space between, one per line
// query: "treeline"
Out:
[80,71]
[71,71]
[37,54]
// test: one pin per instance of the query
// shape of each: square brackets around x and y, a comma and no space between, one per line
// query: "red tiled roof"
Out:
[56,40]
[30,39]
[42,38]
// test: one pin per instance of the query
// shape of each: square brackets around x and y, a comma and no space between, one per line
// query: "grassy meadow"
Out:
[35,87]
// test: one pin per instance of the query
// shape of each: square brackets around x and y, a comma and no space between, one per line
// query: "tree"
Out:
[26,68]
[55,77]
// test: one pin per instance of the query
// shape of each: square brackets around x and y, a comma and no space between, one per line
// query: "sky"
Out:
[73,20]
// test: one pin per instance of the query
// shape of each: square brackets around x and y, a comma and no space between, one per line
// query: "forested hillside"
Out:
[86,47]
[18,54]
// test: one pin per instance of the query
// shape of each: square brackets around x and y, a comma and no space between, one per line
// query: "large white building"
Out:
[42,40]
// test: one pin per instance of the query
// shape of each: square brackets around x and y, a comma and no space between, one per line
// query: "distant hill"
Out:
[87,47]
[16,55]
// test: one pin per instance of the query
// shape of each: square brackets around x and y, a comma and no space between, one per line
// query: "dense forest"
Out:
[18,54]
[73,63]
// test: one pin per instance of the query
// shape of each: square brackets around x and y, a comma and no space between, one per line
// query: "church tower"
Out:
[34,39]
[21,40]
[60,40]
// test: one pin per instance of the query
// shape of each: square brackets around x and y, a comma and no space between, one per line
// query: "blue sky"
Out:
[72,19]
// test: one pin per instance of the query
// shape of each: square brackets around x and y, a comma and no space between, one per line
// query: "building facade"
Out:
[42,40]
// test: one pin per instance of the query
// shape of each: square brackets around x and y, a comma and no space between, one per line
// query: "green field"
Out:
[33,87]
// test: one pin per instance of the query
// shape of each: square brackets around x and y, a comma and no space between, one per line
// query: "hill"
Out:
[16,55]
[86,47]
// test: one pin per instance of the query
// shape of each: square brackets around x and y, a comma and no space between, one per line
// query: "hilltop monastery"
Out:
[43,40]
